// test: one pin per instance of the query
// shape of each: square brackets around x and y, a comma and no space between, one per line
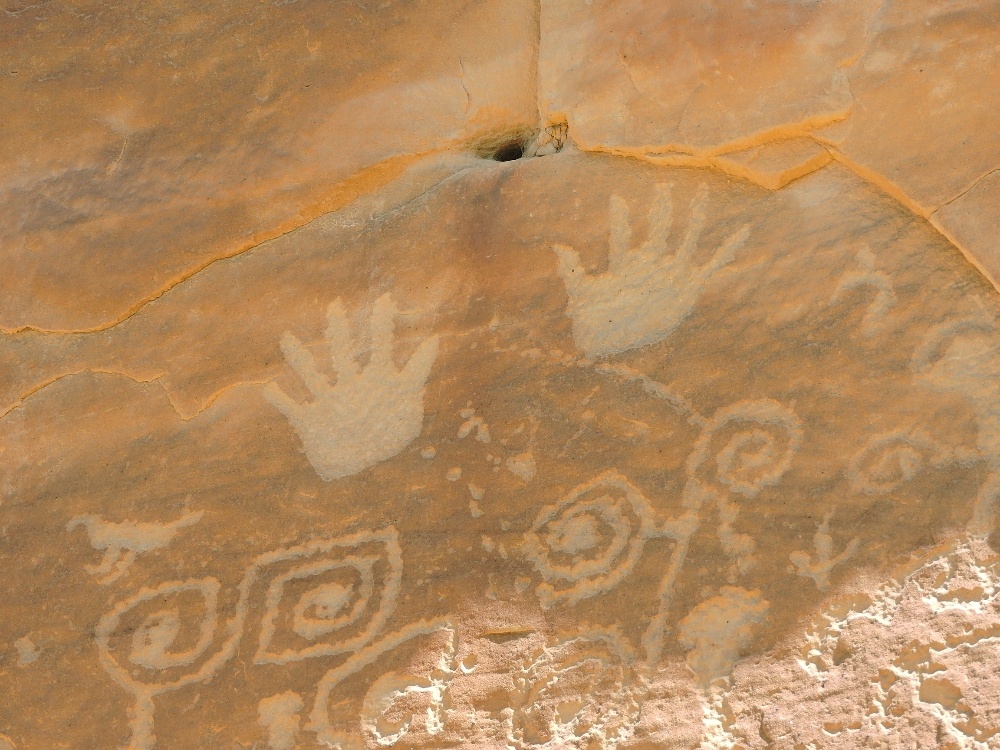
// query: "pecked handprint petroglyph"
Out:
[122,542]
[645,293]
[370,414]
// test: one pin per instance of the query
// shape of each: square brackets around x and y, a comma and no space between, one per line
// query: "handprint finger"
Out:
[727,252]
[620,239]
[695,225]
[282,402]
[570,270]
[304,364]
[338,335]
[381,327]
[660,219]
[419,366]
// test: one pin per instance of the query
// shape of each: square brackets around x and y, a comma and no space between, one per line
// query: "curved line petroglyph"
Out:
[151,642]
[961,356]
[873,321]
[590,541]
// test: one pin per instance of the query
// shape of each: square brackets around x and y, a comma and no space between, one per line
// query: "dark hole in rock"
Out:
[509,152]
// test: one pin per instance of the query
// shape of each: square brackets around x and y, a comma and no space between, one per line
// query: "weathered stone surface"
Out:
[900,92]
[148,142]
[681,431]
[681,76]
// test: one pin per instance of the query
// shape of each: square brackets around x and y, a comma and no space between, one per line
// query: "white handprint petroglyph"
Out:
[370,414]
[645,293]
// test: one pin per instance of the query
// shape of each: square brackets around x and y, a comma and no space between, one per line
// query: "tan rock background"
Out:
[322,427]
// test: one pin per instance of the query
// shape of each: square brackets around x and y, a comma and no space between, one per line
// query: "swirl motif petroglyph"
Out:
[369,415]
[325,598]
[645,293]
[891,459]
[751,445]
[590,540]
[744,448]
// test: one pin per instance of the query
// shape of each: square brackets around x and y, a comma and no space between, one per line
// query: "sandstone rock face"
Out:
[610,374]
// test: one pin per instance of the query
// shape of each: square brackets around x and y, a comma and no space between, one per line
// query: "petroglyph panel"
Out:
[547,441]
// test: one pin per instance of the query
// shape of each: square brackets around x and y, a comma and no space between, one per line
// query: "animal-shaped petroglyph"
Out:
[645,293]
[866,276]
[825,561]
[329,598]
[123,541]
[368,415]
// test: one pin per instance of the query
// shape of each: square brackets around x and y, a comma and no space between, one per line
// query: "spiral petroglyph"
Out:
[590,540]
[747,446]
